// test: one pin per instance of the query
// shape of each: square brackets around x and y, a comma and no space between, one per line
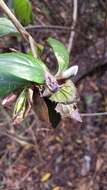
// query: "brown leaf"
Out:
[40,107]
[68,110]
[57,188]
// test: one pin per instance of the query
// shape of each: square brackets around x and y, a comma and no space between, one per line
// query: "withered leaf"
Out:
[68,110]
[40,106]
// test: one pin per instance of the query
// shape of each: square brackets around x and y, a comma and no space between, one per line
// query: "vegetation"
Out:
[21,70]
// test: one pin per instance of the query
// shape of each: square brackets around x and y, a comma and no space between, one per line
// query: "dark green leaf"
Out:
[7,27]
[23,66]
[23,11]
[61,54]
[9,83]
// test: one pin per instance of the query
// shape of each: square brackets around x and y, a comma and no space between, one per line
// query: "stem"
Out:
[72,34]
[19,27]
[94,114]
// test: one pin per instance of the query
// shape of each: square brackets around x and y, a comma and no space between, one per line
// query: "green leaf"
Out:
[7,27]
[23,11]
[61,54]
[9,83]
[23,66]
[66,94]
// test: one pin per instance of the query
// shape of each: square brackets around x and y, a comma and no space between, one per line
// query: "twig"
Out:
[93,114]
[7,117]
[19,27]
[16,138]
[36,146]
[45,27]
[72,34]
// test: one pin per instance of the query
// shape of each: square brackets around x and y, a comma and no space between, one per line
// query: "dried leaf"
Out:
[68,110]
[57,188]
[45,177]
[59,139]
[99,163]
[40,107]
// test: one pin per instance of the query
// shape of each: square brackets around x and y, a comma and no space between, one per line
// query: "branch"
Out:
[93,114]
[50,27]
[72,34]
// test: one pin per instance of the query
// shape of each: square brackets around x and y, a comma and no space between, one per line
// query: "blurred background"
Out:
[74,155]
